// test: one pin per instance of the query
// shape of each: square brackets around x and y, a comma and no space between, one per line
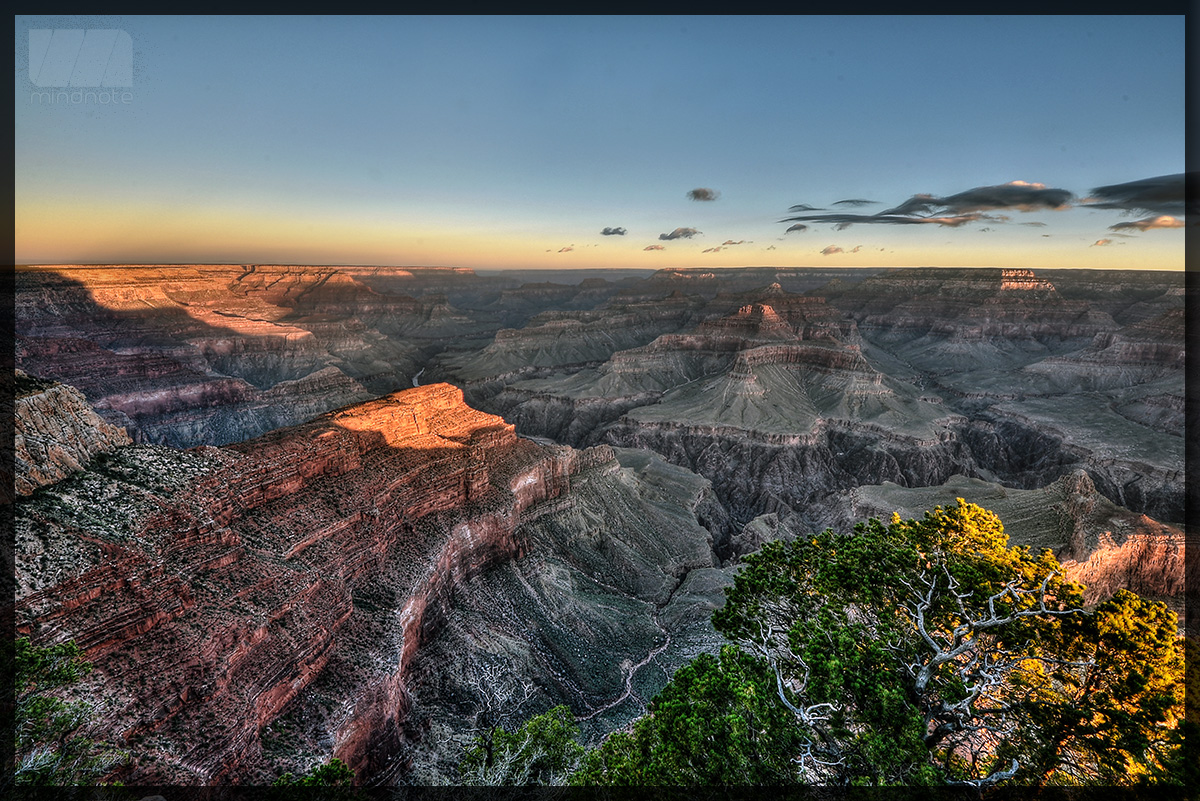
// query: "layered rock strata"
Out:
[55,433]
[304,570]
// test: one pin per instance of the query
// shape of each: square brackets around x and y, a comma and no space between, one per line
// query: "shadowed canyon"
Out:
[299,512]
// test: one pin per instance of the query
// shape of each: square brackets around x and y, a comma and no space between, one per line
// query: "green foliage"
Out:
[50,746]
[920,652]
[1108,716]
[717,723]
[334,773]
[542,751]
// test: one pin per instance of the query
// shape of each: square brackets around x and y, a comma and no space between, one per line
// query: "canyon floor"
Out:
[293,513]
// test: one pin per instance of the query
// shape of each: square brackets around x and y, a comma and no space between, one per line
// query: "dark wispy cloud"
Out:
[797,227]
[679,233]
[702,193]
[844,221]
[613,232]
[829,251]
[1016,195]
[1101,243]
[770,247]
[1163,221]
[567,249]
[717,249]
[1034,224]
[739,242]
[855,201]
[856,248]
[654,247]
[803,207]
[1161,195]
[952,210]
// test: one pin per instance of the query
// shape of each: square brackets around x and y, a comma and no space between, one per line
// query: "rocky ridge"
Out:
[304,573]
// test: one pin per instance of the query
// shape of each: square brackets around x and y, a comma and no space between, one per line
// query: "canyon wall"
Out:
[256,607]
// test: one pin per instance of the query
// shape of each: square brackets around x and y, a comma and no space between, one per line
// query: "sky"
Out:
[618,142]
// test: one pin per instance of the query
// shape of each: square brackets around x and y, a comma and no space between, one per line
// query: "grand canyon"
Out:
[292,513]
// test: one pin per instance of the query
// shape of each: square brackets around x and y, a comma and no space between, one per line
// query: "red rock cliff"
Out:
[212,587]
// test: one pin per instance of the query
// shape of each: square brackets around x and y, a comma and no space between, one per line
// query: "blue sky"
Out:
[512,142]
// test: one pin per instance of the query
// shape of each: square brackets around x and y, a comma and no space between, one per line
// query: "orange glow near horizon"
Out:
[60,232]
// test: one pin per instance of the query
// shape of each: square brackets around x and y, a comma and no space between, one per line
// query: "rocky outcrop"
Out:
[302,572]
[55,433]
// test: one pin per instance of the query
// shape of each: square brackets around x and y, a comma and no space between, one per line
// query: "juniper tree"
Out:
[914,653]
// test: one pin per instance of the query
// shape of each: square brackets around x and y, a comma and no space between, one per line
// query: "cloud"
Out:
[952,210]
[739,242]
[1034,224]
[797,227]
[1018,195]
[679,233]
[1101,242]
[770,247]
[1161,195]
[856,248]
[1164,221]
[703,194]
[803,207]
[831,250]
[566,249]
[844,221]
[613,232]
[717,249]
[654,247]
[855,201]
